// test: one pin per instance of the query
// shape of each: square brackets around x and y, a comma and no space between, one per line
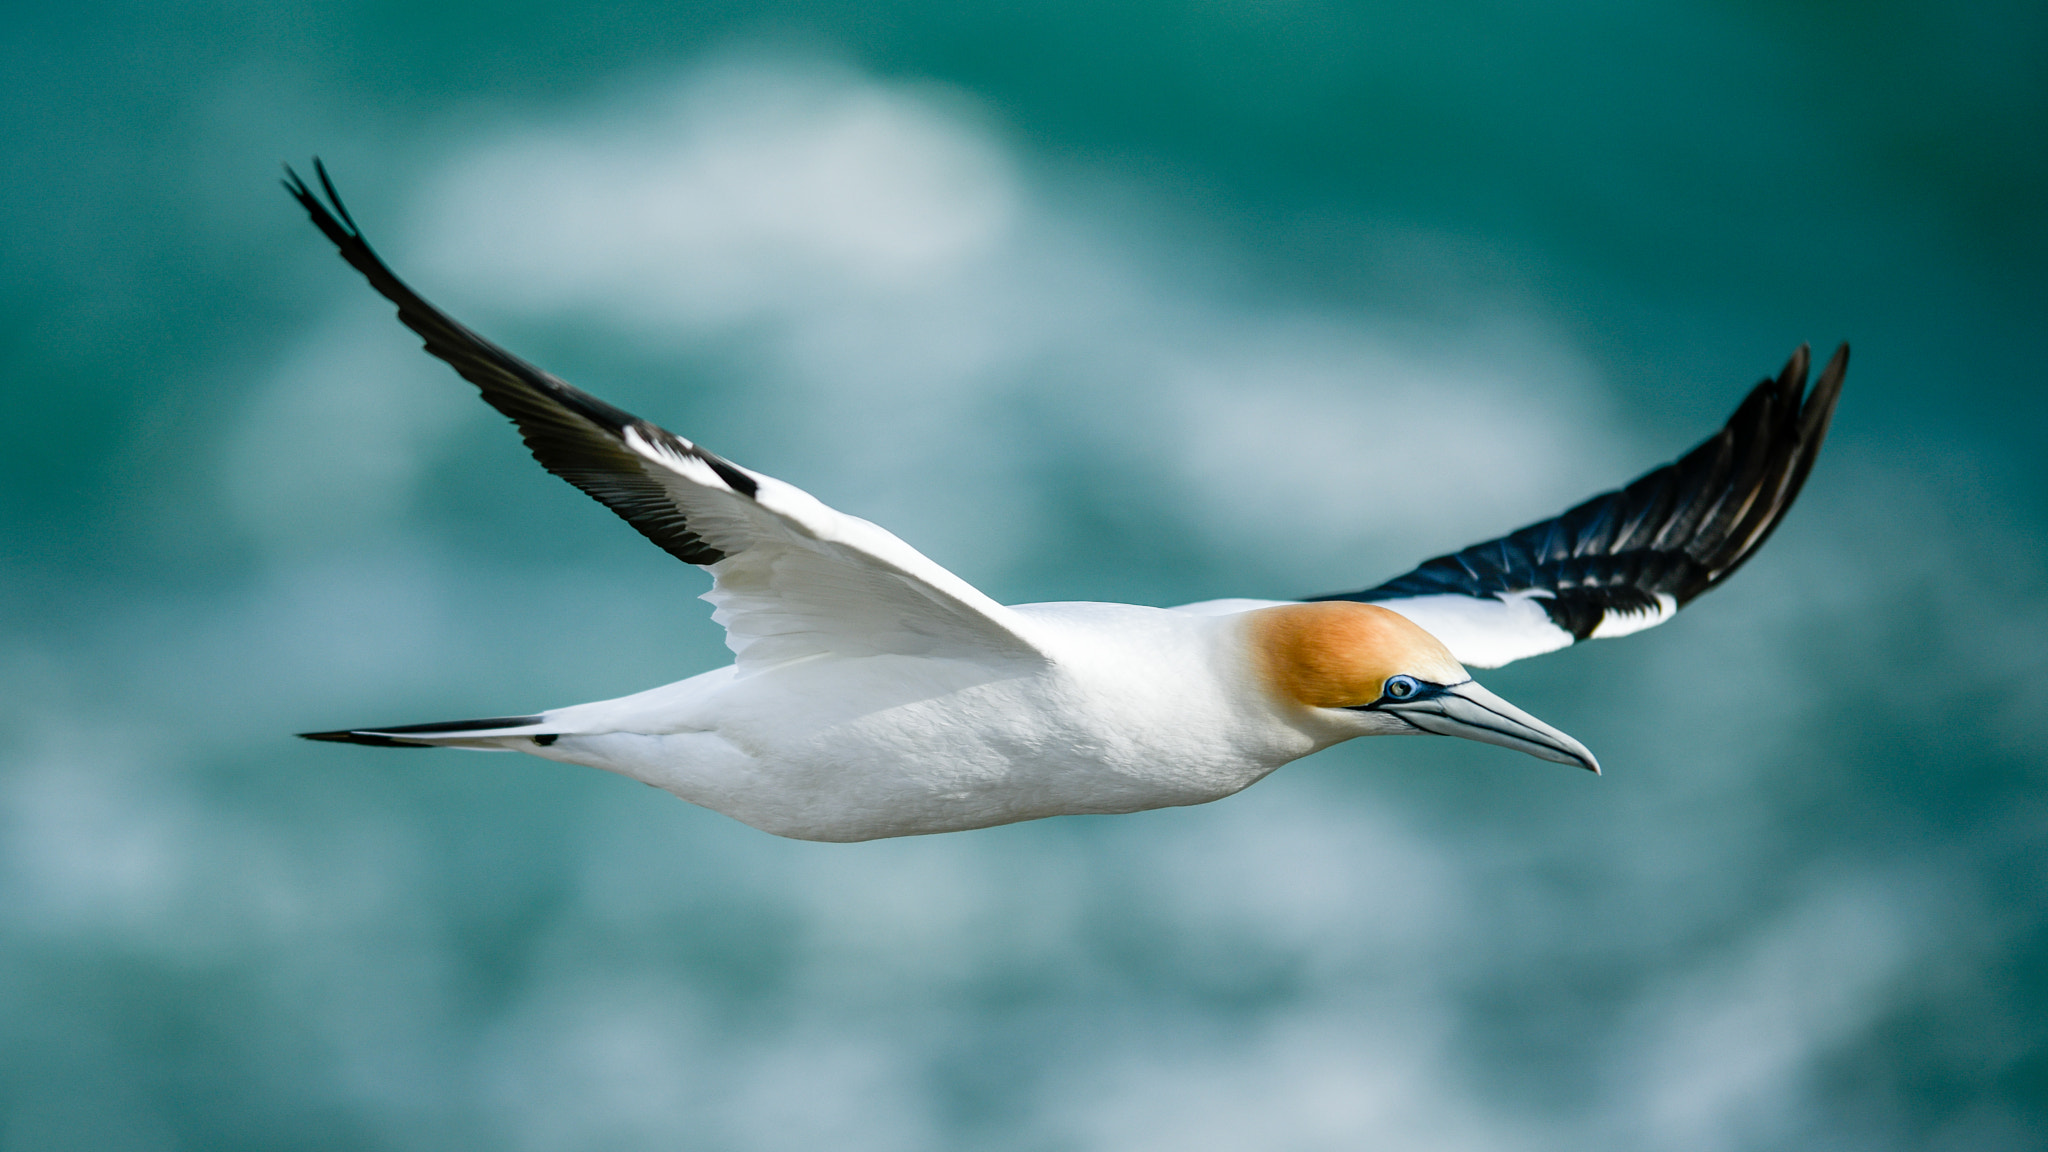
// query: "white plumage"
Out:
[874,693]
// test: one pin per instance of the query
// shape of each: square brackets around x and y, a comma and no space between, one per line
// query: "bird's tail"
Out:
[495,734]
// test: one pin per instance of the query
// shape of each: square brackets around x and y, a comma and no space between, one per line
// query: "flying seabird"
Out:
[876,694]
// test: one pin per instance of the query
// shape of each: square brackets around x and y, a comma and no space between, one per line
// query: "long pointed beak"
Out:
[1472,712]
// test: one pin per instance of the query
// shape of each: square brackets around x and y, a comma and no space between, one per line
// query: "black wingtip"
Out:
[1675,531]
[1792,380]
[334,195]
[1820,402]
[572,433]
[334,222]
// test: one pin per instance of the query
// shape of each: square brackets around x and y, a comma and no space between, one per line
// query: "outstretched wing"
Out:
[793,578]
[1628,560]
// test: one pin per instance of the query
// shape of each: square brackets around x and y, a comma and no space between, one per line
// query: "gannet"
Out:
[874,693]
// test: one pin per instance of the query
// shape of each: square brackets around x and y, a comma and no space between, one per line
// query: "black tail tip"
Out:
[373,739]
[394,735]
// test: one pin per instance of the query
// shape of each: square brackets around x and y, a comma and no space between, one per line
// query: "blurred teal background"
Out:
[1152,302]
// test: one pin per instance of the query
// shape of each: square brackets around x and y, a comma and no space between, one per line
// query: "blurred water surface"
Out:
[1158,303]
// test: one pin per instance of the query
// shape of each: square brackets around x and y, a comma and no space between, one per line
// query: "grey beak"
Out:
[1472,712]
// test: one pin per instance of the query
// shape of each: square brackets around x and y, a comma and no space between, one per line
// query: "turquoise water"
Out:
[1157,303]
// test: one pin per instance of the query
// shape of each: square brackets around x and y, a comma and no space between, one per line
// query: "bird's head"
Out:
[1364,670]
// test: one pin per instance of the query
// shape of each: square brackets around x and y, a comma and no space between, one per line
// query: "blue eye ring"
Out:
[1401,687]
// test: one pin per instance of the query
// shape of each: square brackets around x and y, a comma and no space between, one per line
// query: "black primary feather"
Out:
[572,433]
[1678,530]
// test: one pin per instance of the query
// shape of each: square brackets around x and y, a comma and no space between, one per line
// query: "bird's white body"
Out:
[1131,708]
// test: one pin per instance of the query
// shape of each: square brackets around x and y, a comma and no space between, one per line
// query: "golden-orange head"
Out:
[1340,654]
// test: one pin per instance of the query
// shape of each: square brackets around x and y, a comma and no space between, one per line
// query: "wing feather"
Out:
[792,577]
[1629,559]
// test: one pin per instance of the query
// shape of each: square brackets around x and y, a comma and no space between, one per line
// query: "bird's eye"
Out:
[1401,687]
